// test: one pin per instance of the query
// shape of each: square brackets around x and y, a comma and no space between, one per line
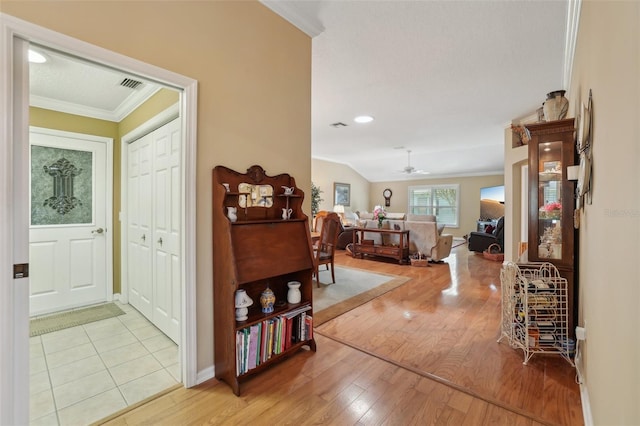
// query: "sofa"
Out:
[425,235]
[480,241]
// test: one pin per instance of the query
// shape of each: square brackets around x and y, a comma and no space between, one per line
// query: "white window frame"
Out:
[455,187]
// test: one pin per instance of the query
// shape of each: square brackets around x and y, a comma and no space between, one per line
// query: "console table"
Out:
[399,252]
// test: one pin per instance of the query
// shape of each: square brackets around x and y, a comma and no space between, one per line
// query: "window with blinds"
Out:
[439,200]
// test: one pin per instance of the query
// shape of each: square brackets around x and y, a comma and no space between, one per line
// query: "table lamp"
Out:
[243,301]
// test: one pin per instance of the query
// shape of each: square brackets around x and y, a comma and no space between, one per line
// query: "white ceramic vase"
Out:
[294,295]
[232,213]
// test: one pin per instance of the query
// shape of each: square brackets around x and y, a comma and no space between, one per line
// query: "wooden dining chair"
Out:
[317,220]
[324,251]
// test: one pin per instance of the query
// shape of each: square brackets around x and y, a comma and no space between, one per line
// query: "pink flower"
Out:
[379,213]
[552,206]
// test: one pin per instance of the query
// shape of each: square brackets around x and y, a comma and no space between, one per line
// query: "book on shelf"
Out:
[259,342]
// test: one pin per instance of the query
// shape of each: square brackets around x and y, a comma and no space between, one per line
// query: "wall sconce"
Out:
[573,172]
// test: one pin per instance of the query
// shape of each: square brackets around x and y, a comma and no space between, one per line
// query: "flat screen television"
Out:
[495,193]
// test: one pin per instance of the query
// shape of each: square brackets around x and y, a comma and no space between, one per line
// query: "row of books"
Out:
[259,342]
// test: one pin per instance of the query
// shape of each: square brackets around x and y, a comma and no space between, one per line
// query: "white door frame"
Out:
[14,142]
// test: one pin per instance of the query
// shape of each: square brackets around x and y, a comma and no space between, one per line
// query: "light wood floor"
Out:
[424,353]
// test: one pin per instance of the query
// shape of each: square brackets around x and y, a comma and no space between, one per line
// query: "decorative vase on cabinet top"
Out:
[556,106]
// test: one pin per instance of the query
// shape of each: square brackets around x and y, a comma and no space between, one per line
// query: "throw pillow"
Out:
[489,229]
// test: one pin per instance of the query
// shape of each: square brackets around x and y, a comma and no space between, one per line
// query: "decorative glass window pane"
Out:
[61,186]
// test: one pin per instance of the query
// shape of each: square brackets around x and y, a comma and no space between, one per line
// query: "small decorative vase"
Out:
[294,295]
[380,223]
[556,106]
[267,299]
[286,214]
[232,213]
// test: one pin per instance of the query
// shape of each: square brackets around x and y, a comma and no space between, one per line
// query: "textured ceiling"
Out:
[75,86]
[441,78]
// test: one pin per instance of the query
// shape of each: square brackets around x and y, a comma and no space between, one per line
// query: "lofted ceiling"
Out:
[441,78]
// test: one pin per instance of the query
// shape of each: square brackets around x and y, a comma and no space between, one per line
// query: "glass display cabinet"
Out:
[552,236]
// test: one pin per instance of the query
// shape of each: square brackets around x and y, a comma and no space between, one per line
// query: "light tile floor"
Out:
[82,374]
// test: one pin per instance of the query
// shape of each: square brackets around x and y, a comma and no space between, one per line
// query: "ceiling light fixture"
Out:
[36,58]
[363,119]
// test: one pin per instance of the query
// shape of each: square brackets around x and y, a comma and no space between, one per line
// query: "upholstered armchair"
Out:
[427,237]
[480,241]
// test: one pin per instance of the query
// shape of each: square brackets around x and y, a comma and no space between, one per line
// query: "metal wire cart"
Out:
[535,310]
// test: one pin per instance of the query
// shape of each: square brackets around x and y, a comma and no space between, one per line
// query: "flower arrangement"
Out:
[551,210]
[552,206]
[379,214]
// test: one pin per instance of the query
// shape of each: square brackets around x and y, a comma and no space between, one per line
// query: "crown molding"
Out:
[573,20]
[125,108]
[289,13]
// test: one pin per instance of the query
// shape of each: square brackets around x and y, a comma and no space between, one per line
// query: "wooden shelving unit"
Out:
[259,250]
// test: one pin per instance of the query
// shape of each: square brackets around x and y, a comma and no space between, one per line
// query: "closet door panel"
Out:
[139,226]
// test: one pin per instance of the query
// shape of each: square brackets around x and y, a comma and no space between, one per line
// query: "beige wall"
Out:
[325,173]
[365,195]
[514,160]
[254,95]
[469,197]
[607,61]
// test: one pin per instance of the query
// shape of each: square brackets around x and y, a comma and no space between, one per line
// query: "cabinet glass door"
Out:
[550,200]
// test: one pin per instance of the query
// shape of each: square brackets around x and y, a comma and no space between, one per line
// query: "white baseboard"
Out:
[204,375]
[586,406]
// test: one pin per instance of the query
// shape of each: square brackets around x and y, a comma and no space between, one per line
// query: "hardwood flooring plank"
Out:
[424,353]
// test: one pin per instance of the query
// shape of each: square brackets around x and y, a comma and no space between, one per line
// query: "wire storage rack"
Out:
[535,310]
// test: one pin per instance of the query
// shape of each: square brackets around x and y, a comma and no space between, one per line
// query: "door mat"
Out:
[55,322]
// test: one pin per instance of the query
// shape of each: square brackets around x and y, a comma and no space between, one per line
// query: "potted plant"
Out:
[315,199]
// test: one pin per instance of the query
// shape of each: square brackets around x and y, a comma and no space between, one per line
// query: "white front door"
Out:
[69,238]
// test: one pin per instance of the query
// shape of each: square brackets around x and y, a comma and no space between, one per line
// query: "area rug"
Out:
[55,322]
[353,287]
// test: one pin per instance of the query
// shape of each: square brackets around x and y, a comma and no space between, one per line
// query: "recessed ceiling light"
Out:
[363,119]
[36,58]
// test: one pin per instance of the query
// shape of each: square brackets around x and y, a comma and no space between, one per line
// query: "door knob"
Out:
[144,237]
[97,231]
[160,241]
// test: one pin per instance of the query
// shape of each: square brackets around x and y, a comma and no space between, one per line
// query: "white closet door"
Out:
[166,143]
[139,232]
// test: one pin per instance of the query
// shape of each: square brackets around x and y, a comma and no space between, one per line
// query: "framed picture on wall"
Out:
[341,194]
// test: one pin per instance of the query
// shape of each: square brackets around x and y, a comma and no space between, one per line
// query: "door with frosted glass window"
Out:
[68,232]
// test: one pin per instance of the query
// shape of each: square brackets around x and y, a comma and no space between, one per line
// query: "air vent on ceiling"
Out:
[338,124]
[130,83]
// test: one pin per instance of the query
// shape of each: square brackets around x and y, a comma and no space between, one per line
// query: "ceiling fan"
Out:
[409,169]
